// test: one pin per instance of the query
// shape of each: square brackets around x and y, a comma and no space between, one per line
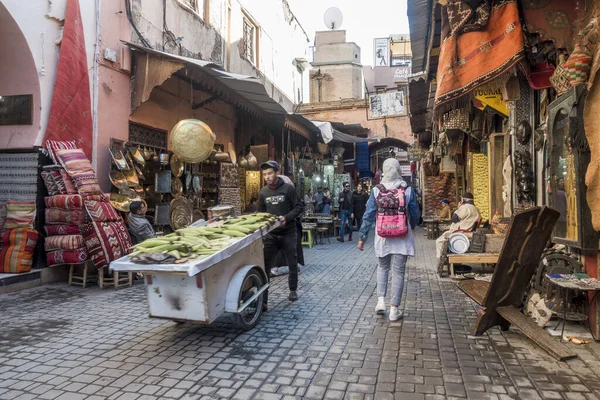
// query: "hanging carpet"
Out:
[479,43]
[71,110]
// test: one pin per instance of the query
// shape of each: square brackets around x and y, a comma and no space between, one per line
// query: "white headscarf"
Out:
[392,176]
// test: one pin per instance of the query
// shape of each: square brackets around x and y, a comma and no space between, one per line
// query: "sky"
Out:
[364,20]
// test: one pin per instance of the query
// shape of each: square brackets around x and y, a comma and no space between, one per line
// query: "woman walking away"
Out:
[393,206]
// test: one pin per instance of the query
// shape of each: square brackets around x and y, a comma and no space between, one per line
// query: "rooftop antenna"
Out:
[333,18]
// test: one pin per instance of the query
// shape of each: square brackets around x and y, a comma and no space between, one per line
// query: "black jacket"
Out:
[348,202]
[360,203]
[281,200]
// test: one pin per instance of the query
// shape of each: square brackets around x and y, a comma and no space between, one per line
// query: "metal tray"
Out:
[162,182]
[162,213]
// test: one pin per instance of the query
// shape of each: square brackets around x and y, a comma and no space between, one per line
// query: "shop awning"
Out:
[329,133]
[419,21]
[250,88]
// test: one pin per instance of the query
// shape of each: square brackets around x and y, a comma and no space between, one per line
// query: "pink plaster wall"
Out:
[114,91]
[18,75]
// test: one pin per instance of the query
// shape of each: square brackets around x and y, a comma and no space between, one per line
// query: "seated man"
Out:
[465,218]
[446,212]
[139,227]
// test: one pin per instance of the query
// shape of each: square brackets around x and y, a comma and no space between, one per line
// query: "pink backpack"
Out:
[392,220]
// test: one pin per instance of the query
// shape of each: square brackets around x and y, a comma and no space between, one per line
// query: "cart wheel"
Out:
[248,318]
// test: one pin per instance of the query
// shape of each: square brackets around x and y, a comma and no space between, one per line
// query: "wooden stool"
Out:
[322,231]
[81,276]
[307,237]
[117,280]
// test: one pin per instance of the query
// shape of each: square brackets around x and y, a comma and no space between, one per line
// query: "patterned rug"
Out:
[18,176]
[106,241]
[477,47]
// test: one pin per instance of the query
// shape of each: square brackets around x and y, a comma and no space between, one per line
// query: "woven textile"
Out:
[58,180]
[57,230]
[106,241]
[67,182]
[67,242]
[554,20]
[3,212]
[56,216]
[102,212]
[52,146]
[18,176]
[51,186]
[60,257]
[578,66]
[73,160]
[86,183]
[65,202]
[18,246]
[19,214]
[469,60]
[70,115]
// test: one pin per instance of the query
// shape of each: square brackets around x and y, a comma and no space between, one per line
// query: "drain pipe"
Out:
[96,84]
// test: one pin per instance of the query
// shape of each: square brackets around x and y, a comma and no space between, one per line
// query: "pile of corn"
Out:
[201,242]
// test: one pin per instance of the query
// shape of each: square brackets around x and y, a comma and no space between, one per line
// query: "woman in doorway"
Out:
[392,252]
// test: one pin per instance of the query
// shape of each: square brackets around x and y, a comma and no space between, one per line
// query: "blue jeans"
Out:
[346,217]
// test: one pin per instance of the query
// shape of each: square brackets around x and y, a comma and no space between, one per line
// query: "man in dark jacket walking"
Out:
[346,211]
[281,199]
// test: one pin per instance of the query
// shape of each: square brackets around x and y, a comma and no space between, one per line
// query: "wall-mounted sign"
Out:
[415,153]
[387,104]
[491,98]
[401,74]
[16,110]
[382,52]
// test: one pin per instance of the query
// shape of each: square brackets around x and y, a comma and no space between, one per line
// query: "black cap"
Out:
[270,164]
[468,196]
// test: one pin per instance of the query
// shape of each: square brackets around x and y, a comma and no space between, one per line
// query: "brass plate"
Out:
[176,166]
[176,187]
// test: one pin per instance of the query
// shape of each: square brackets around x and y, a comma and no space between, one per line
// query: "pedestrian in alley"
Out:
[319,200]
[252,206]
[394,240]
[326,210]
[359,198]
[281,199]
[346,212]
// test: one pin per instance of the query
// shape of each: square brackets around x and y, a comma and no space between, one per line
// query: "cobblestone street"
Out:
[60,342]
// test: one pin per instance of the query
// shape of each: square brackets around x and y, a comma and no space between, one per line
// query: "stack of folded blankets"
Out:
[19,239]
[82,224]
[64,243]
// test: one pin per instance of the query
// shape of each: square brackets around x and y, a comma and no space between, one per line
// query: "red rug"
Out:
[477,52]
[71,110]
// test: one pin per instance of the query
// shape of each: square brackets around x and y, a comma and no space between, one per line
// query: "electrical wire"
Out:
[132,22]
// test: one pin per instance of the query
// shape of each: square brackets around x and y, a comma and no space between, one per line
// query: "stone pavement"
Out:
[59,342]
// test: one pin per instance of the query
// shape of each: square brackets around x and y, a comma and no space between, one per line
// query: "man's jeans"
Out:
[287,243]
[346,218]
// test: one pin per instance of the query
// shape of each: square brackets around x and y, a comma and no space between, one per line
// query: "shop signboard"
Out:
[382,52]
[415,153]
[491,97]
[16,110]
[386,104]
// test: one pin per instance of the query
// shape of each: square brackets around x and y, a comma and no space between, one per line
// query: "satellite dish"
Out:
[333,18]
